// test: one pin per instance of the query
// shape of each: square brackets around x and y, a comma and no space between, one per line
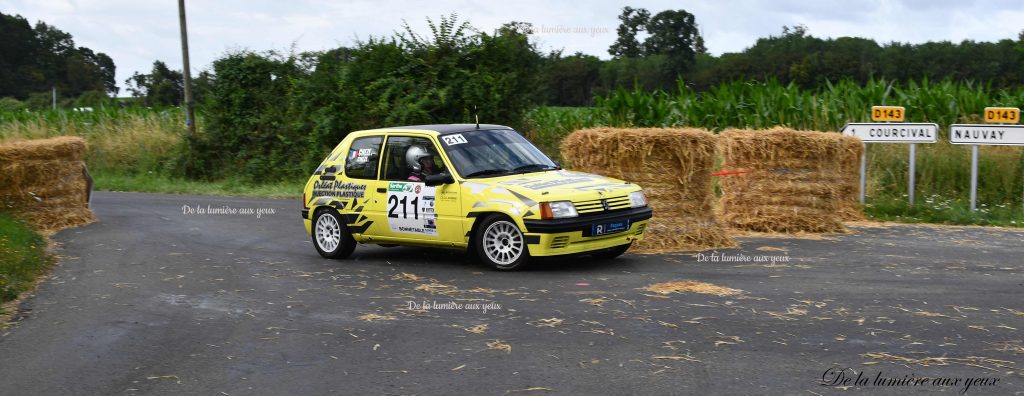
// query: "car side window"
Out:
[363,157]
[396,165]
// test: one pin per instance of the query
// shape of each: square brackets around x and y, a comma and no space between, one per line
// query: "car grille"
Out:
[596,206]
[640,229]
[559,242]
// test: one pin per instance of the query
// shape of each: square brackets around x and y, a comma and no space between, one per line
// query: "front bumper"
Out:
[586,224]
[307,223]
[576,235]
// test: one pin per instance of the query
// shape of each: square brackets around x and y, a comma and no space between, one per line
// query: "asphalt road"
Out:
[155,300]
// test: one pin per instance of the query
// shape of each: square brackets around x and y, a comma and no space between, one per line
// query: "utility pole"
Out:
[190,114]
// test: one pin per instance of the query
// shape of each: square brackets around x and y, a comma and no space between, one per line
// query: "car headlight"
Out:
[557,210]
[637,199]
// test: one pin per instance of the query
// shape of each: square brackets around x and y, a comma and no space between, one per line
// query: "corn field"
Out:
[943,170]
[121,141]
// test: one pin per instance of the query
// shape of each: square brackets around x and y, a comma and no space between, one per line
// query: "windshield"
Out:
[493,152]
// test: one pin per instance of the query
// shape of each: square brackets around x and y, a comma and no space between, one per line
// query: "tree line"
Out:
[651,51]
[34,60]
[674,50]
[655,51]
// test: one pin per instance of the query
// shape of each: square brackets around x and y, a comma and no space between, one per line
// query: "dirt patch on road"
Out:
[688,286]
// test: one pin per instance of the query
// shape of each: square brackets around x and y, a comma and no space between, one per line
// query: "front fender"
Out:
[473,217]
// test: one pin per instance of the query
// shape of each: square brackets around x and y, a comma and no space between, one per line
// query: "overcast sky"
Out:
[136,32]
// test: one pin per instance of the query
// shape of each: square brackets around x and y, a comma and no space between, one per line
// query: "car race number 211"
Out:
[410,208]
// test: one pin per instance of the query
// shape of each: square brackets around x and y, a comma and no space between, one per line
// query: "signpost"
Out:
[991,135]
[996,133]
[892,133]
[886,132]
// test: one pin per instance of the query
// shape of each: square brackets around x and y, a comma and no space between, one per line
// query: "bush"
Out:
[11,104]
[94,99]
[247,131]
[271,117]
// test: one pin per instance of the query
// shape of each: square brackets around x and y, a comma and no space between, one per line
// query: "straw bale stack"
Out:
[795,181]
[849,166]
[46,182]
[672,165]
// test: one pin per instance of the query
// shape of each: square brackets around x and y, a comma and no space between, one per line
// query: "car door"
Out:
[407,210]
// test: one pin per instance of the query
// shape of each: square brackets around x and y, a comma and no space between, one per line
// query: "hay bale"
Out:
[795,181]
[49,220]
[850,208]
[22,180]
[673,166]
[45,182]
[66,148]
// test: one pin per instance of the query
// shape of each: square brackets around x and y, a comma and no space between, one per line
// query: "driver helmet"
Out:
[413,156]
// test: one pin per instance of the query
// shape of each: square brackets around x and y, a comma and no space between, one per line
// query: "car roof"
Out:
[441,129]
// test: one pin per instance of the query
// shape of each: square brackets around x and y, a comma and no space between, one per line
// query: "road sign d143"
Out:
[1002,115]
[888,113]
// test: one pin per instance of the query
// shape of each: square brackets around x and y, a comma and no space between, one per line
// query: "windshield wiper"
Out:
[486,172]
[524,168]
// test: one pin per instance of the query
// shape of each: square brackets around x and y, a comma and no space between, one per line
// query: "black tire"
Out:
[608,254]
[330,235]
[500,243]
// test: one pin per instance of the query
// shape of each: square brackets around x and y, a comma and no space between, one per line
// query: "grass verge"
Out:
[162,184]
[938,210]
[23,258]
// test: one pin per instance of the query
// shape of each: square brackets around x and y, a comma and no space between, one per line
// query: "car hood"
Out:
[560,185]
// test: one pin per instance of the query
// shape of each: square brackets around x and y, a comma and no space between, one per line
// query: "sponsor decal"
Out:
[449,196]
[410,208]
[338,189]
[607,187]
[556,183]
[403,187]
[610,228]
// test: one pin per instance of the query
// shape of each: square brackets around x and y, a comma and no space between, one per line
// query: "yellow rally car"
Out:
[466,186]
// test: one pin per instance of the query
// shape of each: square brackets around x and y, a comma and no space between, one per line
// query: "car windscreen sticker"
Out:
[362,156]
[410,208]
[451,140]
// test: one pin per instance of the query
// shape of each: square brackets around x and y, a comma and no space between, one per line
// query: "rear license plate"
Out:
[610,227]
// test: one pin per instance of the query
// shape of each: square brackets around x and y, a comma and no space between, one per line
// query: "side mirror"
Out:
[438,179]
